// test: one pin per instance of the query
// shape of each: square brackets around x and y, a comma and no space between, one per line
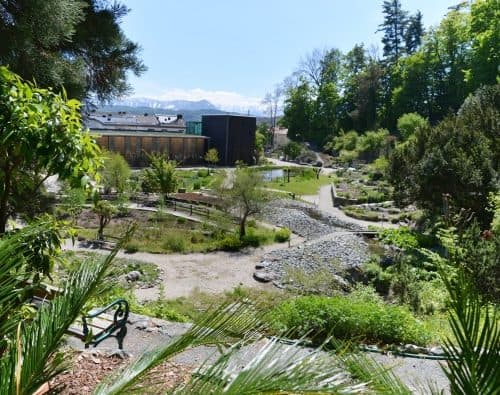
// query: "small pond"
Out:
[270,175]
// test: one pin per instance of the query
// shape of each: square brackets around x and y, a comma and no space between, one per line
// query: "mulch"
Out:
[88,369]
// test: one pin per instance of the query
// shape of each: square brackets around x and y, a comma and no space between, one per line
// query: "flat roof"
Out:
[144,134]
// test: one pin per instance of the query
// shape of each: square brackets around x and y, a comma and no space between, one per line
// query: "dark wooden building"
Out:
[135,146]
[232,135]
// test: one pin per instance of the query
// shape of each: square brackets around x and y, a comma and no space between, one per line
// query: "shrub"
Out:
[196,185]
[175,243]
[282,235]
[181,220]
[251,239]
[202,173]
[347,318]
[230,242]
[131,248]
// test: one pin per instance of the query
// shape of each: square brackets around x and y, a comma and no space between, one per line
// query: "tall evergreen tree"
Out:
[394,28]
[75,44]
[414,33]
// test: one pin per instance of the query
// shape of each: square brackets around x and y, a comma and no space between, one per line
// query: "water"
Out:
[270,175]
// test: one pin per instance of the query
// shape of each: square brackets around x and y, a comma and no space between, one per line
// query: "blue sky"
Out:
[233,51]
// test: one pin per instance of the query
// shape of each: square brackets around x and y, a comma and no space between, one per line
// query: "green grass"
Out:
[300,185]
[193,180]
[168,234]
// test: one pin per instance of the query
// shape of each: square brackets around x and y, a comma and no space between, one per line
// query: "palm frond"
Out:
[275,368]
[474,354]
[227,323]
[24,363]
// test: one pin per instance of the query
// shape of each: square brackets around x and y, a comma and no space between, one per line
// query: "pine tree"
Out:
[394,28]
[75,44]
[414,33]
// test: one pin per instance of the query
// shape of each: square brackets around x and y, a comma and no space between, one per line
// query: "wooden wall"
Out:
[185,150]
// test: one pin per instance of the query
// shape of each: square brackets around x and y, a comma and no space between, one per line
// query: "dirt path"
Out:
[323,200]
[213,272]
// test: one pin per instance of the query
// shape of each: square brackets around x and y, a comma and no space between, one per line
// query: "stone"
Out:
[262,265]
[134,275]
[264,276]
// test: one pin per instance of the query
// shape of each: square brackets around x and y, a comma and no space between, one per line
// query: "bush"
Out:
[251,239]
[202,173]
[175,243]
[230,243]
[282,235]
[131,248]
[347,318]
[196,185]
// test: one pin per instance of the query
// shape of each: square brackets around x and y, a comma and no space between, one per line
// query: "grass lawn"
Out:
[300,185]
[193,180]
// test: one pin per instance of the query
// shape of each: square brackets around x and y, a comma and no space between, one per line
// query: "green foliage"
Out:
[282,235]
[372,144]
[245,196]
[409,123]
[115,172]
[175,243]
[231,242]
[161,176]
[40,135]
[458,159]
[212,157]
[105,211]
[405,238]
[292,150]
[72,202]
[347,318]
[78,46]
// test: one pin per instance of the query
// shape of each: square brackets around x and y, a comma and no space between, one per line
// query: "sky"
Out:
[232,52]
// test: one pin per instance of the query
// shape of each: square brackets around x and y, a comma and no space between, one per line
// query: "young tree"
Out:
[75,44]
[292,150]
[105,211]
[245,197]
[115,172]
[40,135]
[161,176]
[212,157]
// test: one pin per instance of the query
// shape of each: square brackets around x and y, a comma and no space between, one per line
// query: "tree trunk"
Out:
[242,226]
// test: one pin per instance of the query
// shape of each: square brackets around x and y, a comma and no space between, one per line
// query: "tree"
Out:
[40,135]
[457,158]
[484,31]
[212,157]
[298,112]
[115,172]
[105,211]
[260,143]
[161,175]
[245,197]
[394,28]
[77,45]
[414,33]
[292,150]
[409,123]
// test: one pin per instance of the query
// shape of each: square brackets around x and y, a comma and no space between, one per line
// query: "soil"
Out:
[88,369]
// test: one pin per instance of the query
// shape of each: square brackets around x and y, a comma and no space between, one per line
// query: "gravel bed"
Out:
[303,219]
[341,254]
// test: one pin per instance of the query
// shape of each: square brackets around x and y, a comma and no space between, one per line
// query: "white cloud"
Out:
[227,101]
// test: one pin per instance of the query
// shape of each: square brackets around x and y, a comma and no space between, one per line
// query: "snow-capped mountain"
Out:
[172,105]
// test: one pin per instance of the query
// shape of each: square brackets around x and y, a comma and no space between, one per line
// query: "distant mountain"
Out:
[189,115]
[171,105]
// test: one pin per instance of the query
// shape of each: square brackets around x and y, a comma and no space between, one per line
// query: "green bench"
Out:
[98,325]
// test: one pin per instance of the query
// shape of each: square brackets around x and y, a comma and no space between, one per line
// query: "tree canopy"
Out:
[77,45]
[41,134]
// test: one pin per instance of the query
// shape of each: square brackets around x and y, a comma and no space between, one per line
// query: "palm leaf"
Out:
[227,323]
[276,368]
[23,365]
[474,354]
